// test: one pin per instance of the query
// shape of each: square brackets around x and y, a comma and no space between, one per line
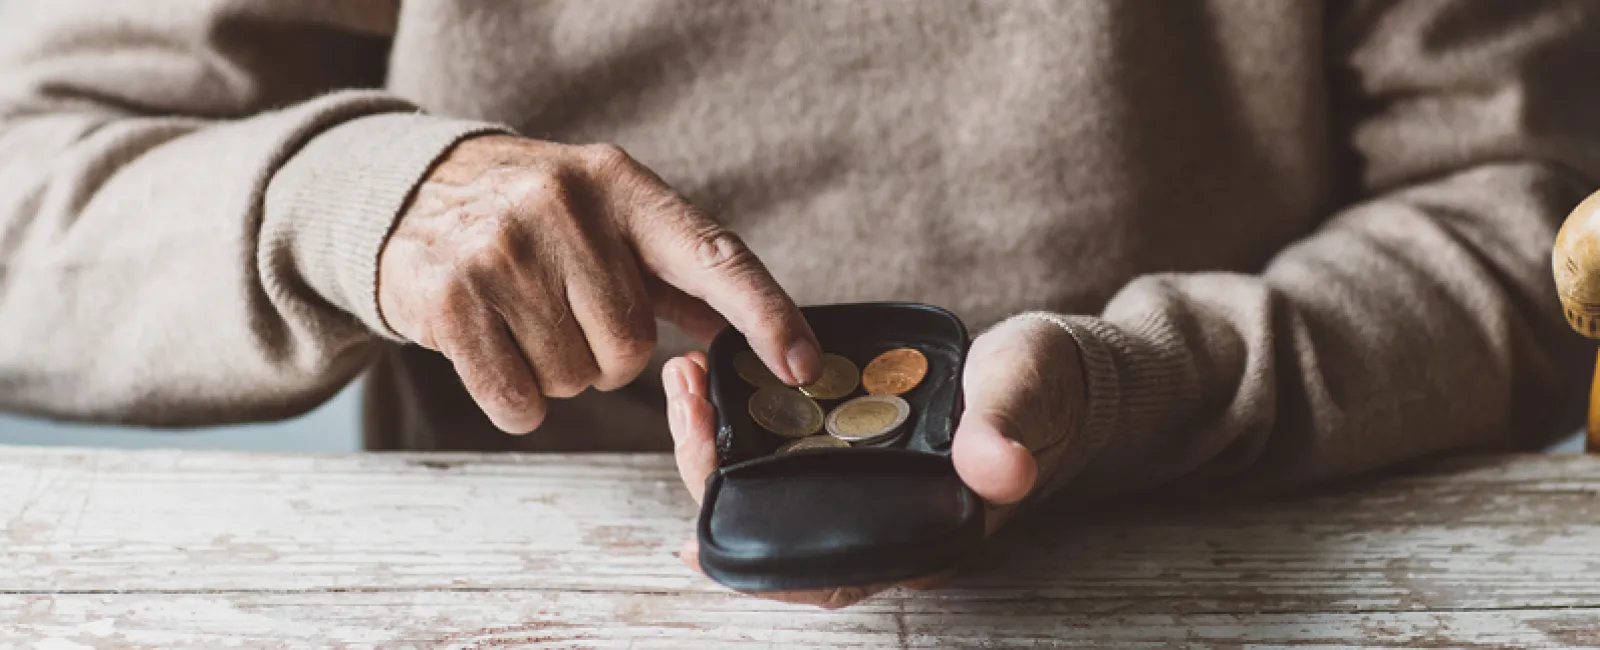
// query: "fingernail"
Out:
[804,360]
[1019,445]
[675,414]
[674,383]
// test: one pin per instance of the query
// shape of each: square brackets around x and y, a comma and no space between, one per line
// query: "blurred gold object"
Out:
[813,442]
[1576,264]
[894,372]
[786,412]
[839,378]
[751,369]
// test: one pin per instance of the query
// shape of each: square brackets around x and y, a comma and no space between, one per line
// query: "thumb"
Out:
[1021,385]
[996,466]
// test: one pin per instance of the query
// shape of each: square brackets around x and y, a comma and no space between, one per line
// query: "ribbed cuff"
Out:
[343,191]
[1137,379]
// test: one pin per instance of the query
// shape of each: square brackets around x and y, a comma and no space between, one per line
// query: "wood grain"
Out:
[165,549]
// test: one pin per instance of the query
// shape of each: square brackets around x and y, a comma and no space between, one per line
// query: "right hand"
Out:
[539,269]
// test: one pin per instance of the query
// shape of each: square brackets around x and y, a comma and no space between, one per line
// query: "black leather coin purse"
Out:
[833,517]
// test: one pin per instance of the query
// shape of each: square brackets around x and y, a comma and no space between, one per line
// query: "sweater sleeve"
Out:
[192,201]
[1418,319]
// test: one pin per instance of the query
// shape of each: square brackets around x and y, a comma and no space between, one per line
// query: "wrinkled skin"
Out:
[539,270]
[1023,387]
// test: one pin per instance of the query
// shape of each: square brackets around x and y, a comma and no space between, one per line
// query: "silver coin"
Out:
[868,419]
[890,440]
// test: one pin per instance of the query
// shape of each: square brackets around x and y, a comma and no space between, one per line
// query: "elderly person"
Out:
[1226,246]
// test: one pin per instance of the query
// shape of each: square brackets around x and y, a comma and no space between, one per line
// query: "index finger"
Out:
[687,249]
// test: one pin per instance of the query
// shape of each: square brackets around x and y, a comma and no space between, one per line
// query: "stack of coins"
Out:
[877,418]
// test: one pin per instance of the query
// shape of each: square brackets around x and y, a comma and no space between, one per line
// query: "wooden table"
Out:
[179,549]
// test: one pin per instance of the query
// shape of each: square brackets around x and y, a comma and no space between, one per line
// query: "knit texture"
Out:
[341,193]
[1292,240]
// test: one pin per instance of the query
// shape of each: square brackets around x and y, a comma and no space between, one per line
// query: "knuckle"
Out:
[544,189]
[451,307]
[567,374]
[626,360]
[556,204]
[507,398]
[566,386]
[637,347]
[631,338]
[632,322]
[720,249]
[491,246]
[624,336]
[605,156]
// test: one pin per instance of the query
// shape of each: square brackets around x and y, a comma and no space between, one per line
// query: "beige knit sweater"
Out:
[1297,239]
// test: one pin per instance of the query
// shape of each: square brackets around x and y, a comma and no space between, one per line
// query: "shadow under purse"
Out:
[841,514]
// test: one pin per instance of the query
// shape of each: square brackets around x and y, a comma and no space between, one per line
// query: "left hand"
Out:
[1024,390]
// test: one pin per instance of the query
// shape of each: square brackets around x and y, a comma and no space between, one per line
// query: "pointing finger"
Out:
[687,249]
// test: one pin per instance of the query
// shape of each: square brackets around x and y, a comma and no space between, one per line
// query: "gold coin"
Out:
[839,378]
[894,372]
[752,370]
[813,442]
[786,412]
[867,418]
[885,441]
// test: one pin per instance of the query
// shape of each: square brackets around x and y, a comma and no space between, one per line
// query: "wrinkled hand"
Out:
[539,270]
[1023,388]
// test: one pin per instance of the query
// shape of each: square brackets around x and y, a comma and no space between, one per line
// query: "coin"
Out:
[751,369]
[786,412]
[868,418]
[812,442]
[885,441]
[839,378]
[894,372]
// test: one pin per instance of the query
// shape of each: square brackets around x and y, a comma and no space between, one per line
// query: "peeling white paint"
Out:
[62,644]
[206,549]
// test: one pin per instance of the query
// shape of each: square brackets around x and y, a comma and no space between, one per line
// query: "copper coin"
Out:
[813,442]
[894,372]
[869,418]
[786,412]
[839,378]
[751,369]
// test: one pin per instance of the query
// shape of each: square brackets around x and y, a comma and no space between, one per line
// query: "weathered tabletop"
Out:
[176,549]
